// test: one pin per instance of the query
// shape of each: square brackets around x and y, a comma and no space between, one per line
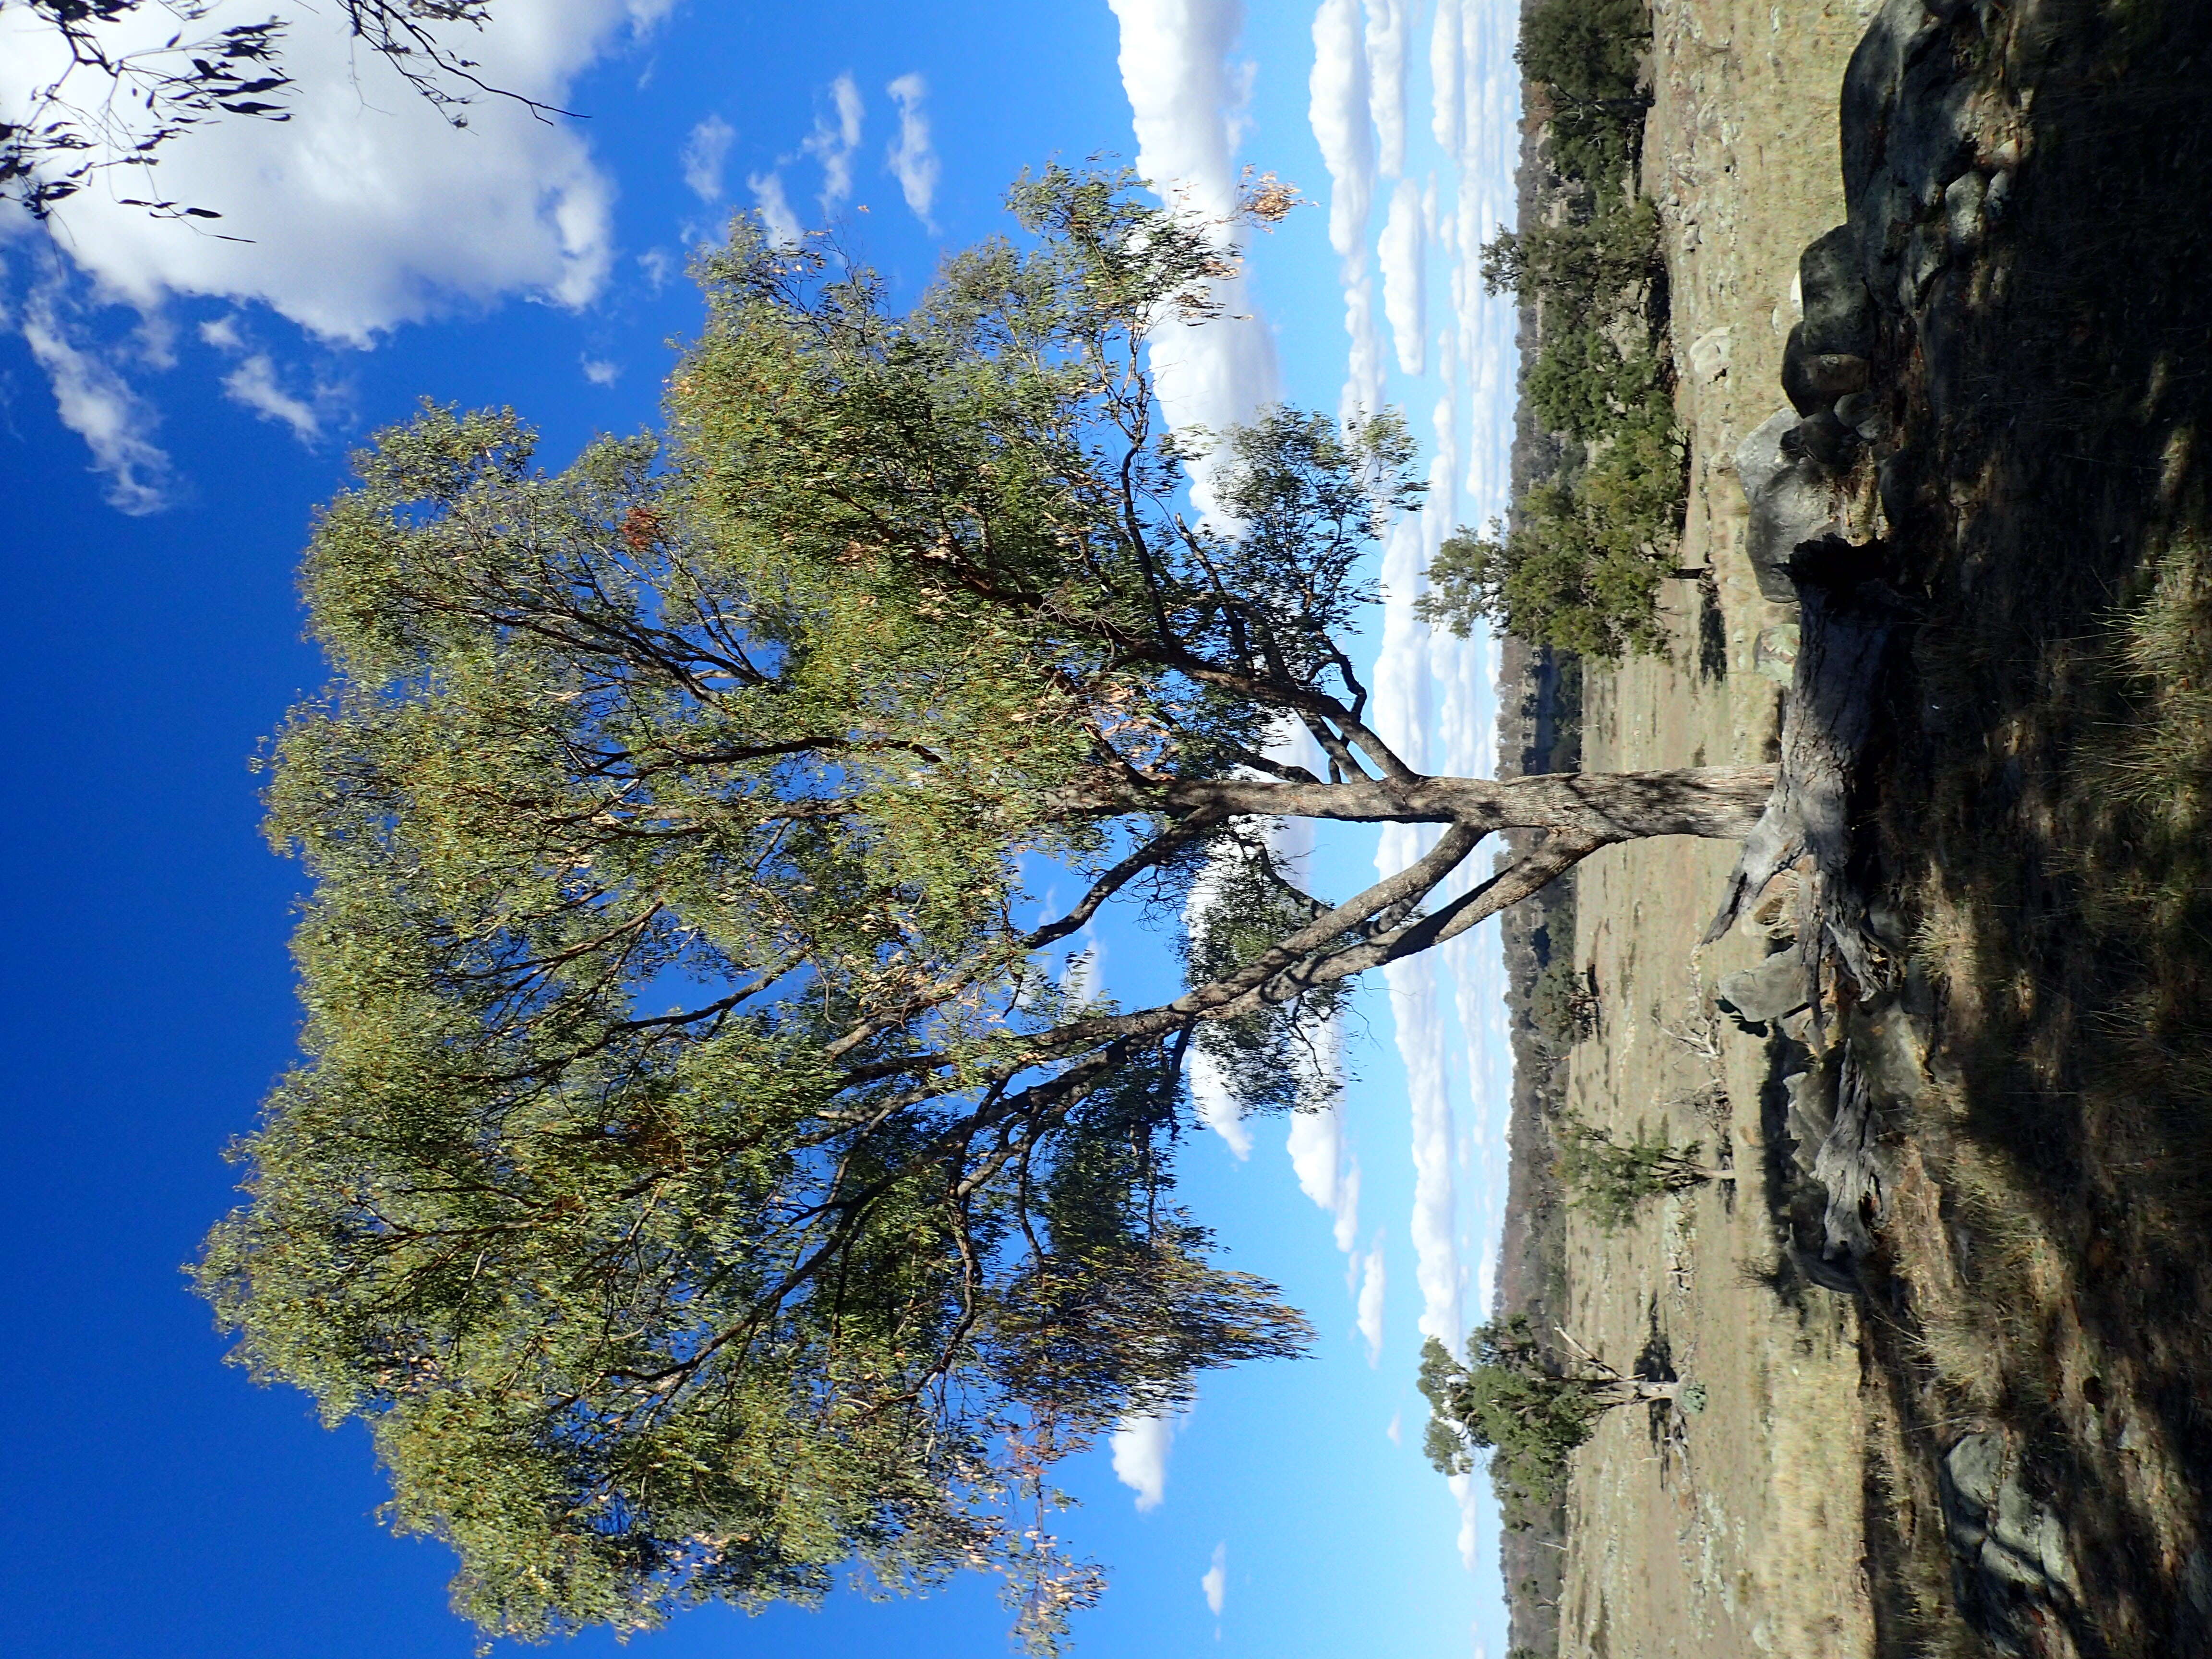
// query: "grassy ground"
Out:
[2046,817]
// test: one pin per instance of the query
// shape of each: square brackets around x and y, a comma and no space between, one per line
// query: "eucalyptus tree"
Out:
[702,1172]
[1516,1397]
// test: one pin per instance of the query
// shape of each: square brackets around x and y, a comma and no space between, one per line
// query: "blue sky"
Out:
[172,406]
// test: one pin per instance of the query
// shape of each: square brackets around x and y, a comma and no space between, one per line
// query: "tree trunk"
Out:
[1721,802]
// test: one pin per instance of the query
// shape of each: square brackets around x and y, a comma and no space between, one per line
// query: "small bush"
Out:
[1586,51]
[1560,1005]
[1611,1180]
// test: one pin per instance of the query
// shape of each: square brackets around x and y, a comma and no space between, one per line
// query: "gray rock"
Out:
[1774,652]
[1821,439]
[1760,995]
[1791,500]
[1962,211]
[1814,379]
[1997,197]
[1904,124]
[1839,316]
[1863,413]
[1973,1469]
[1709,354]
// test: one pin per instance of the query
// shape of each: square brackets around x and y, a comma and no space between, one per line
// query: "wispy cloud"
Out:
[774,208]
[253,383]
[1395,1432]
[1402,253]
[1215,1583]
[833,142]
[1327,1173]
[1210,1097]
[1140,1448]
[99,406]
[599,372]
[1444,75]
[911,159]
[1372,1283]
[704,154]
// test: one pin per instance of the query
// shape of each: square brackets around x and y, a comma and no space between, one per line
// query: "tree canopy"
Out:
[701,1171]
[1514,1398]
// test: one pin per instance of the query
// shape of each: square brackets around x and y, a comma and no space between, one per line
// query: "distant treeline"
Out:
[1580,566]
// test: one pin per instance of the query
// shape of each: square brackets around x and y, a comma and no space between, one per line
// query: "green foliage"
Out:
[701,1173]
[1268,1058]
[1610,1180]
[1583,385]
[1581,265]
[1582,568]
[1512,1400]
[1586,55]
[1585,50]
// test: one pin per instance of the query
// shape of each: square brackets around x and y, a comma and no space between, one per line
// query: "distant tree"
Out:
[1613,1179]
[702,1173]
[1587,52]
[1579,266]
[1581,568]
[1586,60]
[112,104]
[1515,1398]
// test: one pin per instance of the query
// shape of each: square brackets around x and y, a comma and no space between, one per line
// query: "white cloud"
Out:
[703,155]
[833,144]
[253,383]
[1140,1448]
[1444,75]
[599,372]
[1209,1094]
[1373,1282]
[1186,103]
[98,405]
[1215,1583]
[657,265]
[911,159]
[223,334]
[1403,256]
[1388,21]
[1396,1431]
[1338,111]
[1326,1172]
[774,208]
[366,210]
